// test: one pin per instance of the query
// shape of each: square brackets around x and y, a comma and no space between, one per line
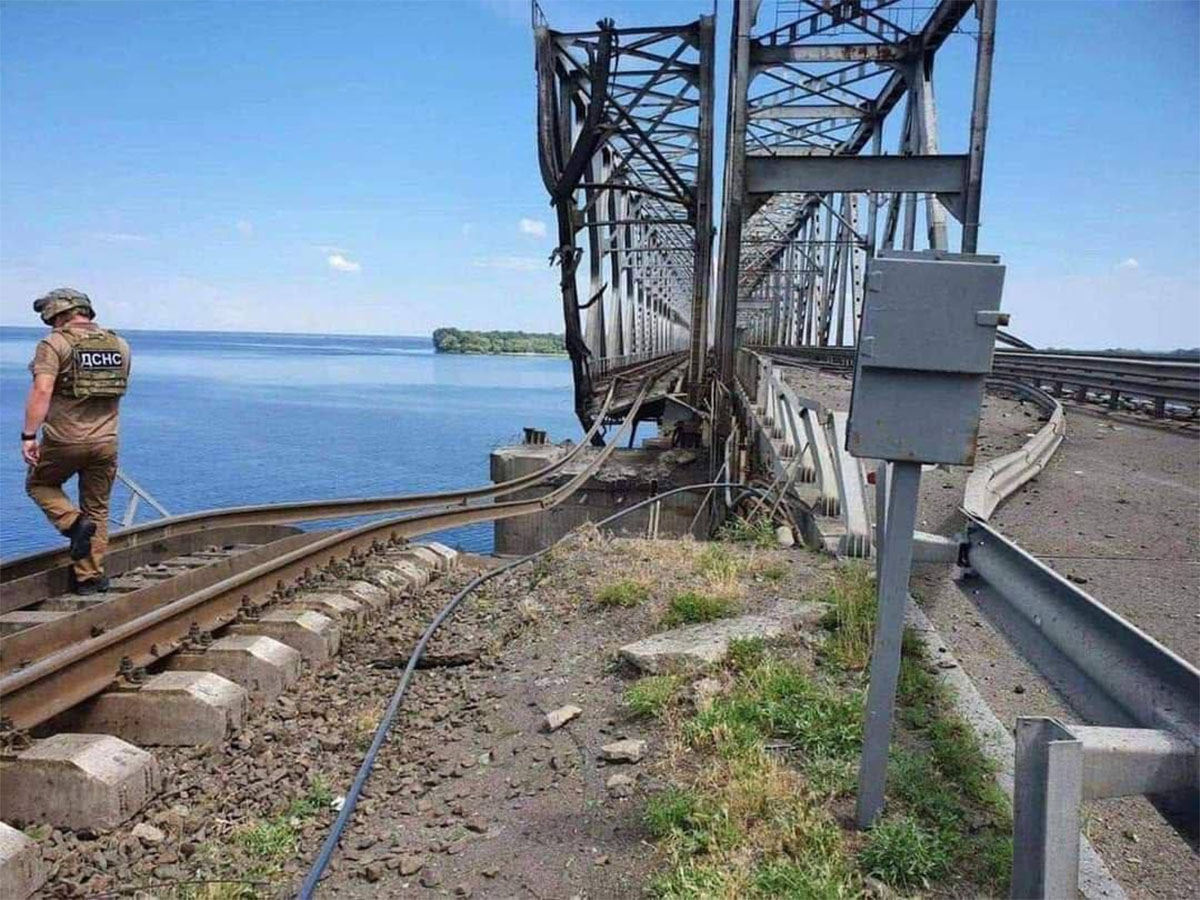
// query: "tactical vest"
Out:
[97,365]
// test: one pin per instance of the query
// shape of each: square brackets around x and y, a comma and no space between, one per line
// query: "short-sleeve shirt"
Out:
[75,420]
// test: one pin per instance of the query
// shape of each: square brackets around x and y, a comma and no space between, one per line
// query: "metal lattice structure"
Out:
[625,149]
[810,193]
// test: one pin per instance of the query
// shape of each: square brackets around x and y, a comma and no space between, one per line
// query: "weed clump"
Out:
[851,617]
[625,593]
[745,653]
[774,572]
[718,563]
[903,854]
[758,532]
[690,608]
[652,695]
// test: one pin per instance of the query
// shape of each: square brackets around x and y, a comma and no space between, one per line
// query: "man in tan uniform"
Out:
[80,371]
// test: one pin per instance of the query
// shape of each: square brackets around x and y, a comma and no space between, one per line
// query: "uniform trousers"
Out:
[96,466]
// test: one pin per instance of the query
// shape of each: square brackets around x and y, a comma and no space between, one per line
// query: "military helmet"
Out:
[59,301]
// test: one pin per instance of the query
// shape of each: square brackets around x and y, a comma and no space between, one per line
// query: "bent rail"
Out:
[300,511]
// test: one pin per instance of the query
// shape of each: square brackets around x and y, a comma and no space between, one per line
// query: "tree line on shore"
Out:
[454,340]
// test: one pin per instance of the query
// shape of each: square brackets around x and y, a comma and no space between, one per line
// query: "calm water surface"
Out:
[222,419]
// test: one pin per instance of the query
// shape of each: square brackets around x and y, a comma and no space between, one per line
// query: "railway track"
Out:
[1160,385]
[73,654]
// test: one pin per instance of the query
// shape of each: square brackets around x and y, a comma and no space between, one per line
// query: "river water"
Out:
[217,419]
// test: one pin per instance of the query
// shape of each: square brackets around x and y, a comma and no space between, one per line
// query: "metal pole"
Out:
[735,185]
[702,263]
[895,563]
[979,123]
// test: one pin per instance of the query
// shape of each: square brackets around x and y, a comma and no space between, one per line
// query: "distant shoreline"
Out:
[498,343]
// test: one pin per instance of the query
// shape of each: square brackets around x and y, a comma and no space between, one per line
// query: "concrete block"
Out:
[262,665]
[372,595]
[395,583]
[423,557]
[77,781]
[413,574]
[691,648]
[173,709]
[20,619]
[448,556]
[345,611]
[21,868]
[317,637]
[403,563]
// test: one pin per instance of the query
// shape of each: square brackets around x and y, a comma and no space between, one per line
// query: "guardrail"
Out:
[804,442]
[1157,380]
[997,479]
[1145,699]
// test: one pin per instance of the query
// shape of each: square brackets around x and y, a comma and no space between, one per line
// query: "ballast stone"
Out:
[557,718]
[262,665]
[315,636]
[77,781]
[175,709]
[21,868]
[630,750]
[692,647]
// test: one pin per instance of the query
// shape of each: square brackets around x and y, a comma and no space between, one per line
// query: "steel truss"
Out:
[625,149]
[807,181]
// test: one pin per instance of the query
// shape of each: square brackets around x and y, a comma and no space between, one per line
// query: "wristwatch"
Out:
[28,437]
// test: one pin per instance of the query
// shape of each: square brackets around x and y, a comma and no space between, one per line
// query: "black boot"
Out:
[98,585]
[80,534]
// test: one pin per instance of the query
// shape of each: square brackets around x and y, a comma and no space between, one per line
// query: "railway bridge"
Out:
[736,327]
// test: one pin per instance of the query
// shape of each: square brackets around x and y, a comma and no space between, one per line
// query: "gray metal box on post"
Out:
[924,350]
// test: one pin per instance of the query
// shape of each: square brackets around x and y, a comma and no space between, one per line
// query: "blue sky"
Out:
[345,167]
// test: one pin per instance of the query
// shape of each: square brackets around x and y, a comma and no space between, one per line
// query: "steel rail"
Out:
[54,683]
[1159,378]
[40,586]
[301,511]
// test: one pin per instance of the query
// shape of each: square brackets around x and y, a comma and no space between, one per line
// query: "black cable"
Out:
[309,885]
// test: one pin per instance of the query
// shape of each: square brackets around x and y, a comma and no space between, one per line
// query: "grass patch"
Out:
[759,532]
[653,695]
[745,653]
[903,854]
[691,607]
[718,563]
[249,863]
[850,594]
[625,593]
[774,572]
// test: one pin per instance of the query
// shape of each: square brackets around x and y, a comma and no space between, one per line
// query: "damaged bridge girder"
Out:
[625,151]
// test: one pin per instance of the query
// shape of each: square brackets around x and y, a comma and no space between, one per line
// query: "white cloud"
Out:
[512,263]
[1129,263]
[342,264]
[535,227]
[244,228]
[329,248]
[122,237]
